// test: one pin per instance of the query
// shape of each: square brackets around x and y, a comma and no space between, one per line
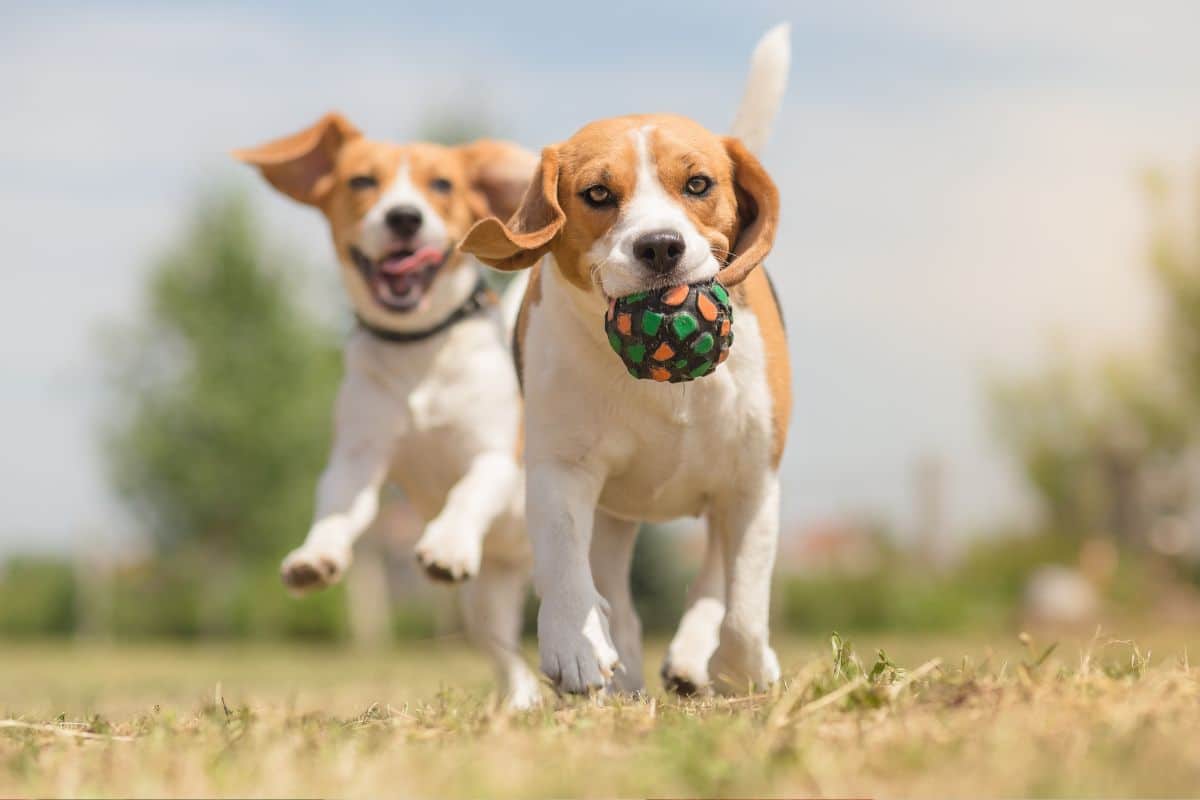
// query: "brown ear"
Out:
[301,165]
[529,233]
[758,213]
[498,174]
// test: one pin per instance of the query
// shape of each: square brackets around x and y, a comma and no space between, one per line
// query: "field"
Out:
[937,716]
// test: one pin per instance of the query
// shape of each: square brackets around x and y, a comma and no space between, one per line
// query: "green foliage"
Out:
[413,621]
[891,600]
[1086,438]
[260,609]
[982,592]
[658,581]
[37,597]
[1080,435]
[169,598]
[453,125]
[158,599]
[223,388]
[1175,262]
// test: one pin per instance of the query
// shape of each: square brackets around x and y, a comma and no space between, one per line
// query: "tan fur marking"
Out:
[533,296]
[755,294]
[315,166]
[739,213]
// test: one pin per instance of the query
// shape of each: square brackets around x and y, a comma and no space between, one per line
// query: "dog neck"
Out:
[585,306]
[481,297]
[437,319]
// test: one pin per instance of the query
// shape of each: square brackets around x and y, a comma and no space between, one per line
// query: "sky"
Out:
[960,187]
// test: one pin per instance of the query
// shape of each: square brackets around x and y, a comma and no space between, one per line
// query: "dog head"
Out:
[396,212]
[636,203]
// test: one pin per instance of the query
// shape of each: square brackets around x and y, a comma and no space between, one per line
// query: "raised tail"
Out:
[764,87]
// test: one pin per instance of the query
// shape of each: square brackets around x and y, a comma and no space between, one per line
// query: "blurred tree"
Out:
[1175,260]
[1084,439]
[1103,446]
[451,125]
[222,389]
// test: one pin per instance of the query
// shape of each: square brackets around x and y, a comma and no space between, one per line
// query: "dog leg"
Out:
[452,545]
[748,530]
[492,606]
[348,492]
[611,555]
[685,669]
[574,643]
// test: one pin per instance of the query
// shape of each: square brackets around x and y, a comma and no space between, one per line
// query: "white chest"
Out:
[664,449]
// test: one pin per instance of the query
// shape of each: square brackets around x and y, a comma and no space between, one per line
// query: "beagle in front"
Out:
[624,206]
[429,399]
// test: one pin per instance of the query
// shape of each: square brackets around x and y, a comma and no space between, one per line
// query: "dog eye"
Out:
[441,185]
[698,185]
[360,182]
[598,196]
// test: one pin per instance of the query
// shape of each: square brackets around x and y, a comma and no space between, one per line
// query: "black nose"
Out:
[659,250]
[404,221]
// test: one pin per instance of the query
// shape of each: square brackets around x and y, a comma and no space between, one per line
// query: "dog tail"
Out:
[510,300]
[764,88]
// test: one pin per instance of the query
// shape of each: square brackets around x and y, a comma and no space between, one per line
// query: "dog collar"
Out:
[481,297]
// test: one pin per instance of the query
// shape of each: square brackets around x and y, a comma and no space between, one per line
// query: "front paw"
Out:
[683,676]
[576,649]
[449,552]
[309,568]
[741,665]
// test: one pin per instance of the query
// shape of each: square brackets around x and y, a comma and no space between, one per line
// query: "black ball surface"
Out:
[675,334]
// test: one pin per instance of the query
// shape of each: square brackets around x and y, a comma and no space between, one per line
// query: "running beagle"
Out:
[628,205]
[429,399]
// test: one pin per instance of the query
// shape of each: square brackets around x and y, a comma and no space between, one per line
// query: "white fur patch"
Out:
[440,418]
[375,238]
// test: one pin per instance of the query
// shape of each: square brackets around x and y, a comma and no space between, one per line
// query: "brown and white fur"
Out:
[440,416]
[604,452]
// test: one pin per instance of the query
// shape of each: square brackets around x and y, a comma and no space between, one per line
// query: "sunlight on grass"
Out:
[1027,719]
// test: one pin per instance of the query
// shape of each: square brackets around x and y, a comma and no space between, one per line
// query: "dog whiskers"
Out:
[724,256]
[594,272]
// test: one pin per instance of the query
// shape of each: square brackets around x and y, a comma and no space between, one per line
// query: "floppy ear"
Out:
[529,233]
[758,213]
[498,174]
[301,165]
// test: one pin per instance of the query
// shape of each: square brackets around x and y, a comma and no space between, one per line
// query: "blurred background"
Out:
[989,264]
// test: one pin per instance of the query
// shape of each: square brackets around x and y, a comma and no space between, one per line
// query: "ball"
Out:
[675,334]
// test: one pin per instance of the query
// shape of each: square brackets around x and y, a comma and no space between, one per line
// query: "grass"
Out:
[927,716]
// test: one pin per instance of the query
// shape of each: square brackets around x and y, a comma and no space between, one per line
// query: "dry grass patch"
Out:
[1111,721]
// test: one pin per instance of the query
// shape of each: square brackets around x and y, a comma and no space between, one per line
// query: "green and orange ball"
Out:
[676,334]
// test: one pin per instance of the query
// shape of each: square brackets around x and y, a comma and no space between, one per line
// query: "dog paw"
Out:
[683,678]
[740,666]
[447,553]
[307,569]
[576,650]
[524,693]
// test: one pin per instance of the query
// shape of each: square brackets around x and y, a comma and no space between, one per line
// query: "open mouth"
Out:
[401,279]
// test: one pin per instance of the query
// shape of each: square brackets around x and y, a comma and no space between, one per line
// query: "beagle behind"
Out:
[429,399]
[627,205]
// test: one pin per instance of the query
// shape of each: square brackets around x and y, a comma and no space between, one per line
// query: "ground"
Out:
[966,716]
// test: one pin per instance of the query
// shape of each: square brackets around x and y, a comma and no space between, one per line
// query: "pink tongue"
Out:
[393,265]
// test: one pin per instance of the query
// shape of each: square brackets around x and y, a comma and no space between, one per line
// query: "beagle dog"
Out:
[628,205]
[429,400]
